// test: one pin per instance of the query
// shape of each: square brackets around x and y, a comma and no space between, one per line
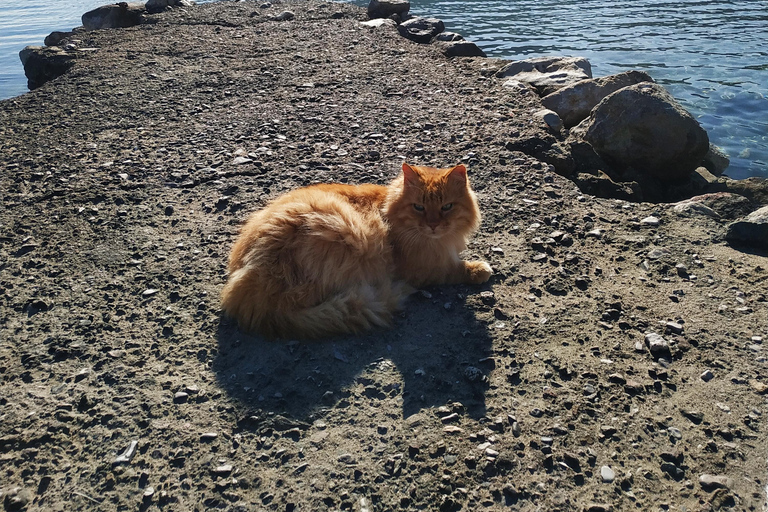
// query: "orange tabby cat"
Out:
[333,259]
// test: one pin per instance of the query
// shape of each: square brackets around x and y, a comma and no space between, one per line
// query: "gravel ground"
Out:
[615,361]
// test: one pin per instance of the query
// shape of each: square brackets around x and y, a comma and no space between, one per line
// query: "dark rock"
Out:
[120,15]
[601,185]
[574,102]
[42,64]
[56,37]
[751,230]
[460,49]
[644,128]
[386,8]
[421,30]
[755,189]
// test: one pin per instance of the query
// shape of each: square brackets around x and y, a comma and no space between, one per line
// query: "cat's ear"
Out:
[458,174]
[411,177]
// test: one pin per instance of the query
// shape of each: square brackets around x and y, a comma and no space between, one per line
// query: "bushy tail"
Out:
[351,311]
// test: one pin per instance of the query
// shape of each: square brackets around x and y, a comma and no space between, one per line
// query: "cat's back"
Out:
[318,208]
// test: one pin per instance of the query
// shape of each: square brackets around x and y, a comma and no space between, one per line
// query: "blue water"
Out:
[711,55]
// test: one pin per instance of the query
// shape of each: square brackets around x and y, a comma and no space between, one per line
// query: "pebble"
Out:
[675,432]
[607,474]
[650,221]
[149,292]
[707,376]
[452,429]
[128,454]
[224,469]
[758,386]
[450,418]
[674,328]
[656,343]
[658,252]
[711,482]
[208,436]
[180,397]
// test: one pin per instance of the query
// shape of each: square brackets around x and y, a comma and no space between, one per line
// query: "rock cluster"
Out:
[419,29]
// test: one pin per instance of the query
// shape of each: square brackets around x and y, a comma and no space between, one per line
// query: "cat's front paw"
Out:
[478,271]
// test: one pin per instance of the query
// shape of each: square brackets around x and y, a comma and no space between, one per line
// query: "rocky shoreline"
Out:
[615,361]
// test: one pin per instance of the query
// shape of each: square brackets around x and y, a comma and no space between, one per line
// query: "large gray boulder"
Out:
[751,230]
[548,74]
[421,30]
[154,6]
[642,127]
[574,102]
[386,8]
[120,15]
[44,63]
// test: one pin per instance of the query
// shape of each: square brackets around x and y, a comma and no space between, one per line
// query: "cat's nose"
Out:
[433,225]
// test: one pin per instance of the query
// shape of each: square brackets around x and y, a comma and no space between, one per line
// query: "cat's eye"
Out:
[447,206]
[418,207]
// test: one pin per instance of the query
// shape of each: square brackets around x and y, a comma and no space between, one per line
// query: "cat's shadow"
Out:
[436,353]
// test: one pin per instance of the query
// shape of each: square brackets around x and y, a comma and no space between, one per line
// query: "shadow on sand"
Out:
[436,352]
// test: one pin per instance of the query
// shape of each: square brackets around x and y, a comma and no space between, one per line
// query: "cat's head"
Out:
[436,202]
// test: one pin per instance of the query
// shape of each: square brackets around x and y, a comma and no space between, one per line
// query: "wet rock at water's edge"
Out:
[120,15]
[574,102]
[42,64]
[644,128]
[548,74]
[421,30]
[387,8]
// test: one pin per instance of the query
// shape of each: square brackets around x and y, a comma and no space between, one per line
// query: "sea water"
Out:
[711,55]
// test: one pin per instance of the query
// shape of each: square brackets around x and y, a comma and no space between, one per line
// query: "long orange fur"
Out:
[334,259]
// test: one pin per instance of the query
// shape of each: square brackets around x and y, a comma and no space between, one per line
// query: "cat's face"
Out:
[437,202]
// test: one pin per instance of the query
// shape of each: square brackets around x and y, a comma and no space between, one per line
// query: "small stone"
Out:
[224,469]
[607,474]
[240,160]
[128,454]
[148,492]
[17,498]
[711,482]
[149,292]
[656,344]
[180,397]
[675,432]
[450,418]
[758,386]
[650,221]
[695,416]
[598,507]
[452,429]
[707,376]
[208,436]
[674,328]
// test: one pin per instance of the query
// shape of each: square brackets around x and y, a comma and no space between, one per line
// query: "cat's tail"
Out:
[355,310]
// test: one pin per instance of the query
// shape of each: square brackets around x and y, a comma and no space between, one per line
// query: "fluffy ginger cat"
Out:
[335,259]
